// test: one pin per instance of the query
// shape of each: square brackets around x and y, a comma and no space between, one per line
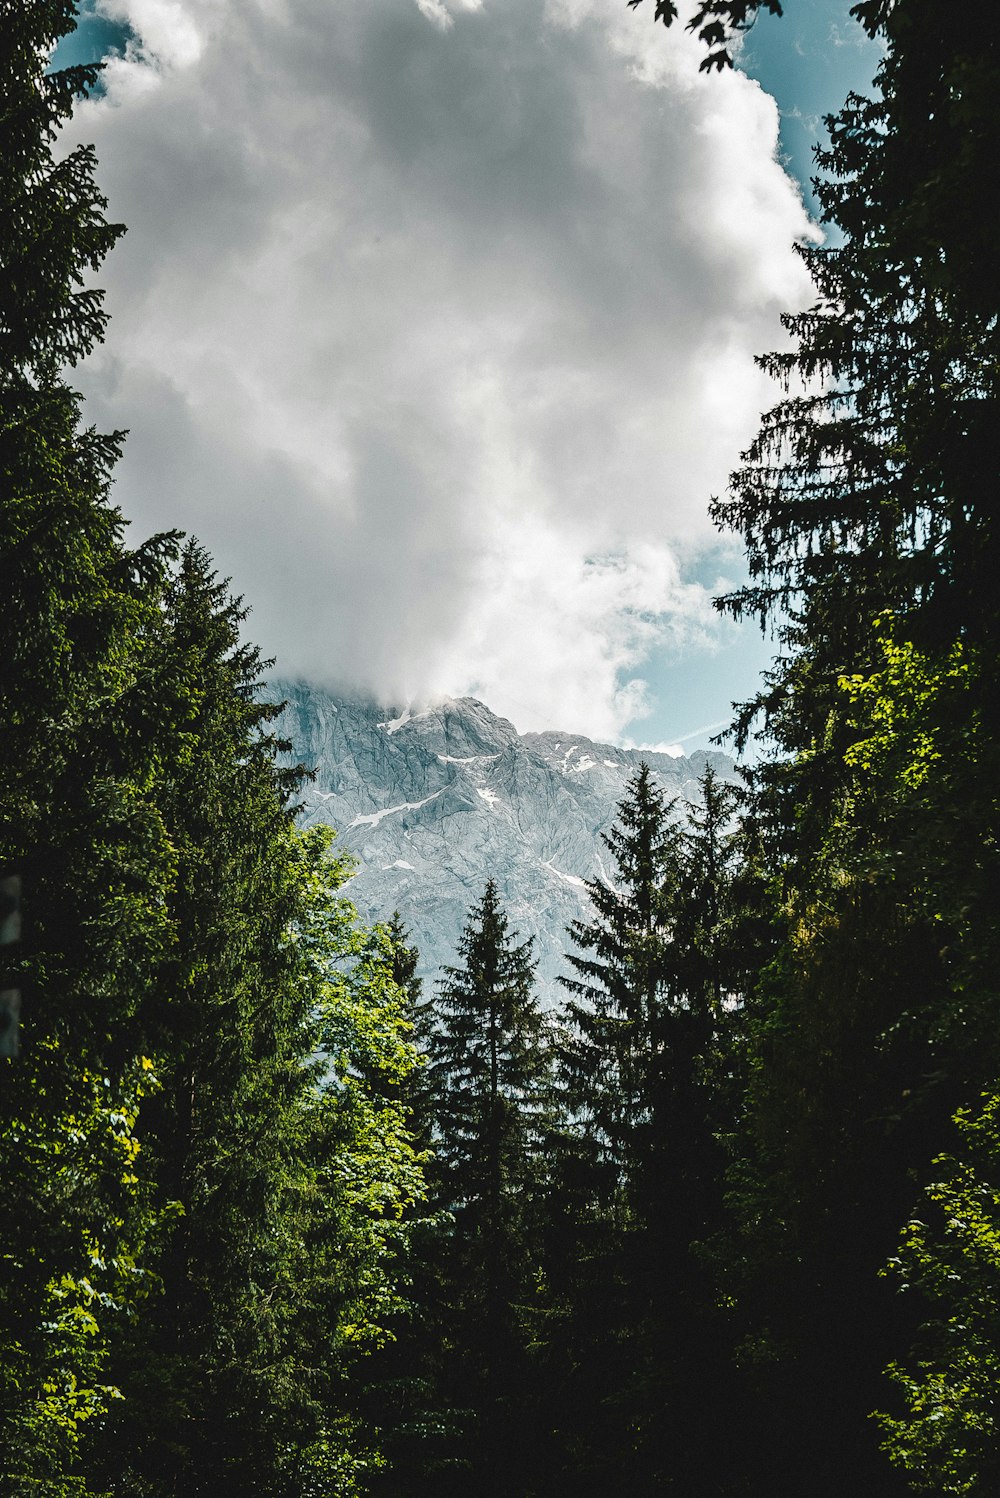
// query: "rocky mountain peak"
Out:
[434,800]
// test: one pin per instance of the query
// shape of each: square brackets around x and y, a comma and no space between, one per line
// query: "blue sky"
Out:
[436,322]
[95,36]
[808,60]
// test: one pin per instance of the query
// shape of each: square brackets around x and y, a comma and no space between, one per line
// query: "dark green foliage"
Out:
[783,1005]
[76,815]
[618,1071]
[53,228]
[662,970]
[649,1082]
[488,1066]
[229,1025]
[199,1214]
[622,988]
[866,505]
[487,1063]
[486,1091]
[275,1177]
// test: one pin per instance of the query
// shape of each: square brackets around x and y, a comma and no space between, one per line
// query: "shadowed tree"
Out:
[78,818]
[646,1091]
[489,1069]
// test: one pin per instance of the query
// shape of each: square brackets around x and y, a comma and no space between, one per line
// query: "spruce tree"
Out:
[865,504]
[275,1160]
[78,822]
[486,1061]
[200,1213]
[640,1166]
[420,1018]
[489,1074]
[229,1032]
[623,986]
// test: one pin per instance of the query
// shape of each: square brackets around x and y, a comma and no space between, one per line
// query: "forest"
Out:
[277,1221]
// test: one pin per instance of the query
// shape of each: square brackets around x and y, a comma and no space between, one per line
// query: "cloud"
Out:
[435,322]
[675,747]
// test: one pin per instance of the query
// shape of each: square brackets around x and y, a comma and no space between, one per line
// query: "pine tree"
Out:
[622,990]
[486,1061]
[420,1017]
[77,820]
[710,855]
[489,1075]
[199,1213]
[226,1027]
[641,1169]
[866,508]
[275,1149]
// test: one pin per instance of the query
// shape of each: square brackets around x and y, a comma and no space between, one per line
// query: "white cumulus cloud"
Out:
[435,322]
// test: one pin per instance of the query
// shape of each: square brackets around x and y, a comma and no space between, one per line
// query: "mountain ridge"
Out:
[433,802]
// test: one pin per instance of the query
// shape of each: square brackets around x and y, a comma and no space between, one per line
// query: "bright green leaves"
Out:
[371,1175]
[913,713]
[948,1439]
[72,1263]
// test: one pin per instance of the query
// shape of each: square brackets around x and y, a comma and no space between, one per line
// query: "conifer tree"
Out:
[489,1074]
[77,819]
[865,504]
[623,986]
[710,856]
[228,1386]
[420,1018]
[229,1028]
[198,1217]
[487,1061]
[641,1168]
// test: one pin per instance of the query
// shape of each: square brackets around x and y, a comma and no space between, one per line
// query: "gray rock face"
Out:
[432,803]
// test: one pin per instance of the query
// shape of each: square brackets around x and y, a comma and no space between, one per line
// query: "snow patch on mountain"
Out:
[372,819]
[567,878]
[432,803]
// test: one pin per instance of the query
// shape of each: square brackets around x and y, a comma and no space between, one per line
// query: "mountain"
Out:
[433,802]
